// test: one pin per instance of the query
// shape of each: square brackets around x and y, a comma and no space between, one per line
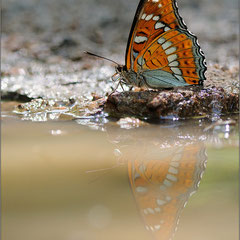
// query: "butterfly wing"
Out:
[162,48]
[161,187]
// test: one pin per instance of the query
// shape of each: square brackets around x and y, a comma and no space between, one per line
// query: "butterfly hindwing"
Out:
[174,52]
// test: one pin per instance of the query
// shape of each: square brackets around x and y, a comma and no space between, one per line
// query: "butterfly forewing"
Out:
[159,40]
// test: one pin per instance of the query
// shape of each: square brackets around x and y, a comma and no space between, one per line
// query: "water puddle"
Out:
[94,178]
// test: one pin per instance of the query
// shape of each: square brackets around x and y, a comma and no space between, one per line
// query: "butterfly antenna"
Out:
[95,55]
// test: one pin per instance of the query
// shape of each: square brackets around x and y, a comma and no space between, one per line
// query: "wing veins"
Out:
[161,45]
[174,74]
[162,36]
[171,47]
[169,55]
[186,58]
[170,66]
[155,78]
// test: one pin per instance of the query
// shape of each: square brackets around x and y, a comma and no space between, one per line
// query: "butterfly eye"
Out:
[124,68]
[119,69]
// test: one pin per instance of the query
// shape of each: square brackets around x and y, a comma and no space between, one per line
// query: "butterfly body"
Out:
[150,79]
[161,52]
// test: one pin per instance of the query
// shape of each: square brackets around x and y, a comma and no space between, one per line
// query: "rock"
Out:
[176,103]
[129,123]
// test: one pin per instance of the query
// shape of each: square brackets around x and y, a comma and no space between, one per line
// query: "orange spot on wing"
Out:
[151,7]
[178,38]
[169,18]
[187,53]
[170,34]
[157,61]
[187,62]
[190,80]
[166,8]
[189,72]
[137,47]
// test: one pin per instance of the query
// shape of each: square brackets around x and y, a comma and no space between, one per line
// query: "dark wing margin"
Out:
[201,62]
[200,59]
[135,20]
[180,19]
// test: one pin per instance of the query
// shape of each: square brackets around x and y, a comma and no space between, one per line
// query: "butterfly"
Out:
[162,184]
[161,52]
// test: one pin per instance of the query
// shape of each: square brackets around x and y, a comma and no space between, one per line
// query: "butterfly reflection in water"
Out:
[162,184]
[165,166]
[161,52]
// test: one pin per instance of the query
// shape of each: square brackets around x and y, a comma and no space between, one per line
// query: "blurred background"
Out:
[67,28]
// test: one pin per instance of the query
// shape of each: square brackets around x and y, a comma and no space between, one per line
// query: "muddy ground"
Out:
[43,43]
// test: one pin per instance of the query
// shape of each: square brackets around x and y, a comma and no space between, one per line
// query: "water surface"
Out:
[65,180]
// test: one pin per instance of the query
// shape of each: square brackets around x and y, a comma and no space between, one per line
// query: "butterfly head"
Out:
[120,74]
[129,77]
[121,70]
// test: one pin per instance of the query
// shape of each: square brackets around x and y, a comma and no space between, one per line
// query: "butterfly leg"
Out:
[121,85]
[115,78]
[115,89]
[131,88]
